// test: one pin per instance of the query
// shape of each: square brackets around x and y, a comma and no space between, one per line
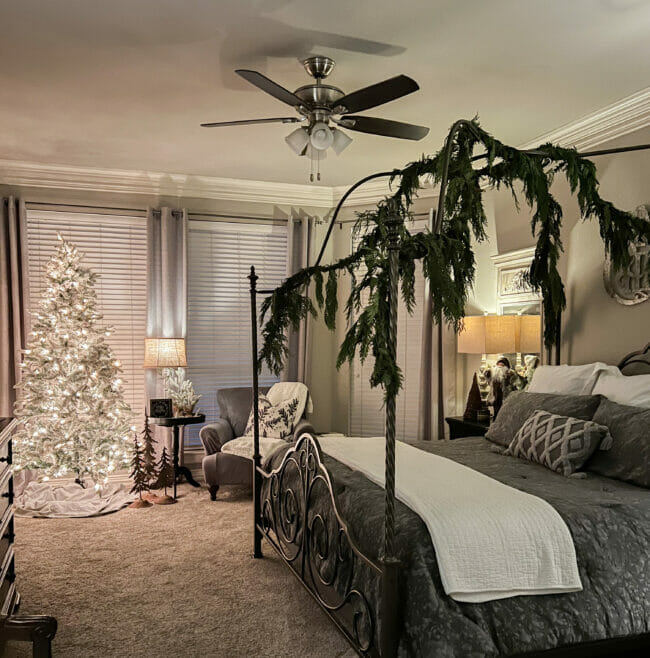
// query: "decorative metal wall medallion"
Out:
[631,285]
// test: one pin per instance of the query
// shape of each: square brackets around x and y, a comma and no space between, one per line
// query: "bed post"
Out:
[390,567]
[257,478]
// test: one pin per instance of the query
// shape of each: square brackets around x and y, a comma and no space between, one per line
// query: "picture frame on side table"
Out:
[160,408]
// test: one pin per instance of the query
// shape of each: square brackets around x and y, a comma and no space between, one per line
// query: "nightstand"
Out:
[459,427]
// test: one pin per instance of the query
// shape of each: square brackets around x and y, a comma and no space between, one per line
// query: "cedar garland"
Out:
[447,258]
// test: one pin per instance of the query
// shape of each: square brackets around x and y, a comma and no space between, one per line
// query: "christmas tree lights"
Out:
[73,417]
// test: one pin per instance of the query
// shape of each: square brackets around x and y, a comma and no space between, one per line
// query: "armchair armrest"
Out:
[215,435]
[301,427]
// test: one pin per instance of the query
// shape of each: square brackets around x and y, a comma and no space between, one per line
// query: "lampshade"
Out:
[321,136]
[530,334]
[297,140]
[488,334]
[164,353]
[471,338]
[341,141]
[500,334]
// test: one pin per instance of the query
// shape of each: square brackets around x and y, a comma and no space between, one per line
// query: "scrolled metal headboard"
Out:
[636,363]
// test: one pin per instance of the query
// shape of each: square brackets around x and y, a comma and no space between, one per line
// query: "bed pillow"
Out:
[629,458]
[520,405]
[633,391]
[276,420]
[573,380]
[560,443]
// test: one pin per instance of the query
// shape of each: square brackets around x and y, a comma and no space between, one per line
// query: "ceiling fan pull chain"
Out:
[318,167]
[311,172]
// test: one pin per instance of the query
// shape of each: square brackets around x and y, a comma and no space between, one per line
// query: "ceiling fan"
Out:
[319,104]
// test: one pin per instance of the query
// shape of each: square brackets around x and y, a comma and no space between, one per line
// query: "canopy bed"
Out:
[323,517]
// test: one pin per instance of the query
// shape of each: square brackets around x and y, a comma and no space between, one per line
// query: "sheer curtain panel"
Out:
[14,298]
[166,290]
[299,241]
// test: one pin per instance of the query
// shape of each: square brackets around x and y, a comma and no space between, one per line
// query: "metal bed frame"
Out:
[309,540]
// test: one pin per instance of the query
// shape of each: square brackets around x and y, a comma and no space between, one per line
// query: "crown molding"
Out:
[91,179]
[373,191]
[616,120]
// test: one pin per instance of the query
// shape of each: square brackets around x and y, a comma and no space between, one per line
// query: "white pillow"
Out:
[633,391]
[282,391]
[571,380]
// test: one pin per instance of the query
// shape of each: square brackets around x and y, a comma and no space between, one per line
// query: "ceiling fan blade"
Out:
[384,127]
[270,87]
[246,122]
[378,94]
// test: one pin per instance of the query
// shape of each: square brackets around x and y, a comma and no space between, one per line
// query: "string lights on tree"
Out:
[73,417]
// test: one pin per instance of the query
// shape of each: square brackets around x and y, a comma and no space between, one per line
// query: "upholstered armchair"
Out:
[222,467]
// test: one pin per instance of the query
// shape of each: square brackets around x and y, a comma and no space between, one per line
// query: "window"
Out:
[367,410]
[220,255]
[115,248]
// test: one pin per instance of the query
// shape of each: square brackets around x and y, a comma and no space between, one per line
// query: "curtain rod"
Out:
[195,216]
[416,215]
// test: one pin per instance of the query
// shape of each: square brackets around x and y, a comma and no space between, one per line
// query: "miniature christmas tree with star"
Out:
[149,452]
[73,417]
[138,475]
[165,478]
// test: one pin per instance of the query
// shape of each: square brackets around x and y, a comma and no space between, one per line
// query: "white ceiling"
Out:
[124,84]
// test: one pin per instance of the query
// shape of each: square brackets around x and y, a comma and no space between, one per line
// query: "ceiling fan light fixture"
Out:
[340,142]
[321,136]
[298,140]
[315,154]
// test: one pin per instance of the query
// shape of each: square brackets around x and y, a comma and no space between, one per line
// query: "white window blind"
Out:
[220,255]
[367,411]
[115,248]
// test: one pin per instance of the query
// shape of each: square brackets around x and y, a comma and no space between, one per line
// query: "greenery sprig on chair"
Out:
[446,255]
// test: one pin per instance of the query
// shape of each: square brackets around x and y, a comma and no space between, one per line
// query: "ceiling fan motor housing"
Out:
[318,66]
[319,96]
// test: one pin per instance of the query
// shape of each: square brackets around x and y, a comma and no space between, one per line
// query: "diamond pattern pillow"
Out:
[276,421]
[560,443]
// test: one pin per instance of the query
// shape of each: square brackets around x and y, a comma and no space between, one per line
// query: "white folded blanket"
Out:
[491,541]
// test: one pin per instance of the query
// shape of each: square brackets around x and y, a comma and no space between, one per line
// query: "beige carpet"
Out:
[175,580]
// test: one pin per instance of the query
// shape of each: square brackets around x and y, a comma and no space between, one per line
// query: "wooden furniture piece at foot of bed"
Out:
[460,428]
[37,629]
[175,423]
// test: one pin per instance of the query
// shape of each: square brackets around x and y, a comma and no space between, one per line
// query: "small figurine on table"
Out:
[502,380]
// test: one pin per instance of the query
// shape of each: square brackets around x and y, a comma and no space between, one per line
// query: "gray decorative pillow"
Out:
[276,421]
[560,443]
[629,458]
[520,405]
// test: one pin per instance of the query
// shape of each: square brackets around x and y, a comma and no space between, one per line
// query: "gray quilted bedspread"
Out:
[610,525]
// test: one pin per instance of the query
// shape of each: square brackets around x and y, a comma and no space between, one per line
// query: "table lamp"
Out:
[169,355]
[489,334]
[164,353]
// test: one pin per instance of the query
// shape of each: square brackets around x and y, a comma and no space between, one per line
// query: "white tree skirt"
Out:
[49,499]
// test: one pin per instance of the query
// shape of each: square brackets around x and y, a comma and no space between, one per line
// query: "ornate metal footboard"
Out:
[311,537]
[300,519]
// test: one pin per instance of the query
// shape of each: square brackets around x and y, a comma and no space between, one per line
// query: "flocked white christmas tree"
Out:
[74,421]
